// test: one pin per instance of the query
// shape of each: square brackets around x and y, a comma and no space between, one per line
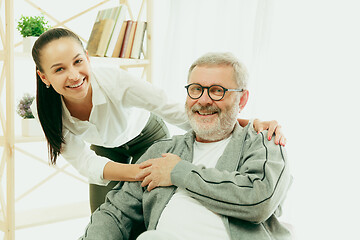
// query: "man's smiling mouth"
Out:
[205,113]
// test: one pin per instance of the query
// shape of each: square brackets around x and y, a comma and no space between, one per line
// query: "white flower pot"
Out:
[31,128]
[28,43]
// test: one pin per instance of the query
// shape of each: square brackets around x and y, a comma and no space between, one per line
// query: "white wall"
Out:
[311,86]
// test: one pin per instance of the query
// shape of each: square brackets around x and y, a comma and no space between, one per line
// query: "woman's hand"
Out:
[273,127]
[156,172]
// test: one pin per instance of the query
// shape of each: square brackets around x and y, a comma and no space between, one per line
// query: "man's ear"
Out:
[243,100]
[42,77]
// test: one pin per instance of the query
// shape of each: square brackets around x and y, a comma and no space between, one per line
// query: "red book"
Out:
[131,40]
[126,38]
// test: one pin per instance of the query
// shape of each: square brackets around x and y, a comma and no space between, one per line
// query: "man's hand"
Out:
[272,127]
[156,172]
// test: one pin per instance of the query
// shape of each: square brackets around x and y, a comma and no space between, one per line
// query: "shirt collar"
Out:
[65,112]
[98,97]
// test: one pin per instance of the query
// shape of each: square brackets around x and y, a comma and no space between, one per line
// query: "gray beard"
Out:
[220,129]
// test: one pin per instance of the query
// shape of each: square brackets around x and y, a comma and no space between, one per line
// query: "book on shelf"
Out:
[106,27]
[102,31]
[113,36]
[119,42]
[120,17]
[126,38]
[94,38]
[138,40]
[131,40]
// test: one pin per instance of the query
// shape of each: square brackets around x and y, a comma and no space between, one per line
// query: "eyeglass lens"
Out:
[215,92]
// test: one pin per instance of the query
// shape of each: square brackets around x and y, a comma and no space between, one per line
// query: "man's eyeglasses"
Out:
[215,92]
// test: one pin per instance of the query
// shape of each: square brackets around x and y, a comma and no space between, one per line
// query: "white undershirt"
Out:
[185,217]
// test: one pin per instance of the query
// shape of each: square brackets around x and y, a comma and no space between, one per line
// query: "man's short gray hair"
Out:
[223,58]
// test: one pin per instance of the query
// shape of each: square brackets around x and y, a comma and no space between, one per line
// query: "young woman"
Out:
[120,116]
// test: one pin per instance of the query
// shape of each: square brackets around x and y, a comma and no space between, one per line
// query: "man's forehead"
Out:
[212,73]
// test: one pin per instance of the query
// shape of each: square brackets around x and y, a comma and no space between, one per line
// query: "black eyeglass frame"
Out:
[208,91]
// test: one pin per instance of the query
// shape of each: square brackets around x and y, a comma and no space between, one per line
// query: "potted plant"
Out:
[31,28]
[30,126]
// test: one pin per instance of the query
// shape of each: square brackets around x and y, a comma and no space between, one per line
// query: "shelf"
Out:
[51,215]
[21,139]
[121,62]
[37,217]
[22,55]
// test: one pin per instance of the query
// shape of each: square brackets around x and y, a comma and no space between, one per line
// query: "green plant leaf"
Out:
[32,26]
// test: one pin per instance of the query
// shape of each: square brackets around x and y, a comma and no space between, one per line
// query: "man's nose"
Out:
[205,98]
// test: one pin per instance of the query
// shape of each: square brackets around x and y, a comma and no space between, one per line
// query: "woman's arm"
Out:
[121,172]
[99,170]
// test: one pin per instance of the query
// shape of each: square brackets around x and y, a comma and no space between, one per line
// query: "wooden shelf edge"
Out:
[49,215]
[122,62]
[23,55]
[21,139]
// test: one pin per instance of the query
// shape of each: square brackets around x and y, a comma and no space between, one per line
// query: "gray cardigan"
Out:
[247,187]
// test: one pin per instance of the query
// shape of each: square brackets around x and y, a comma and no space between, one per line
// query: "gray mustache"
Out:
[209,108]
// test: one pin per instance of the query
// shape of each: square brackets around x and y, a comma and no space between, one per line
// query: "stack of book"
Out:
[113,36]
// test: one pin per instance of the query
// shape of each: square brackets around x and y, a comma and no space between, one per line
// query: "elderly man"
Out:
[218,181]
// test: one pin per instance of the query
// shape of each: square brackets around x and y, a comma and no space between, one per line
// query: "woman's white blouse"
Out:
[121,109]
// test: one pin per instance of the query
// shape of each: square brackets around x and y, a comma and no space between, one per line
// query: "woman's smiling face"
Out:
[66,68]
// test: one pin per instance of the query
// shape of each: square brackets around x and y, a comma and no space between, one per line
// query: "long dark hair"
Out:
[48,101]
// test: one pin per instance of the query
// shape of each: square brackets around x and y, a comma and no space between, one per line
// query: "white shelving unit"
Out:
[10,145]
